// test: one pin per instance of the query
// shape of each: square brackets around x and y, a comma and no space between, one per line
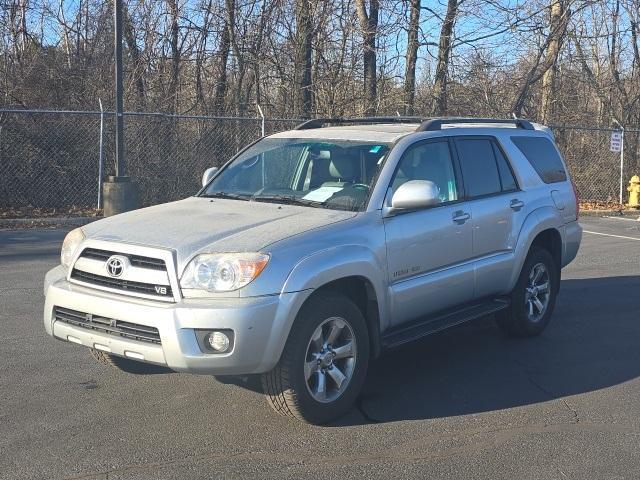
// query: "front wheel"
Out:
[324,362]
[533,298]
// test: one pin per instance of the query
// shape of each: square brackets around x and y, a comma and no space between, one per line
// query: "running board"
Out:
[427,326]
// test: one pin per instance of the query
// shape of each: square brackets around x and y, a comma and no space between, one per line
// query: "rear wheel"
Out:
[125,364]
[533,298]
[324,362]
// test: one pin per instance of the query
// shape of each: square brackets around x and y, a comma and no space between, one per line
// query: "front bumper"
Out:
[260,325]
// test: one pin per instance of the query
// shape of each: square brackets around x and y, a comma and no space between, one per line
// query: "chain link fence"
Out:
[50,159]
[594,168]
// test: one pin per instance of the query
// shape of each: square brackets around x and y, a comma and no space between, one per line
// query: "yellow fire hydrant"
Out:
[634,191]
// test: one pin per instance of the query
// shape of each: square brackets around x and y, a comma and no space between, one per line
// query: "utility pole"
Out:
[120,157]
[120,192]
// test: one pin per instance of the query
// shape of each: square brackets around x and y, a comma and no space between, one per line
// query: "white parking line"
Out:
[614,236]
[624,218]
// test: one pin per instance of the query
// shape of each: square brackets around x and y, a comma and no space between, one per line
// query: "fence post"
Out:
[262,117]
[100,155]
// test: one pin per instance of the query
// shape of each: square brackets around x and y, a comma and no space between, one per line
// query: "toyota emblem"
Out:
[116,265]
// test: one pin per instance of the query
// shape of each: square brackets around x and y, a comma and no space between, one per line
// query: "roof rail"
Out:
[436,123]
[322,122]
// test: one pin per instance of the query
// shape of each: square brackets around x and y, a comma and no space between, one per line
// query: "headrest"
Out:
[343,167]
[322,154]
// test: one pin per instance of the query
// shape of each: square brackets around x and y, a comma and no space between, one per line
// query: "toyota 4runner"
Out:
[313,250]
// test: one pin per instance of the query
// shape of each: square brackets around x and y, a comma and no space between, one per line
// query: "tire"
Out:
[524,317]
[127,365]
[294,387]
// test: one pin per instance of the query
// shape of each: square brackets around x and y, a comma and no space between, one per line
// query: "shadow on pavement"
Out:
[592,342]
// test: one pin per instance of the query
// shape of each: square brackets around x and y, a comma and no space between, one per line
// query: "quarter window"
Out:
[429,161]
[543,157]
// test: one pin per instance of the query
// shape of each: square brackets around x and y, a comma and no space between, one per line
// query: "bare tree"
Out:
[444,54]
[369,26]
[411,57]
[304,37]
[558,20]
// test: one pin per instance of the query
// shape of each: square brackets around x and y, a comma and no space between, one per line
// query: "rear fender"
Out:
[539,220]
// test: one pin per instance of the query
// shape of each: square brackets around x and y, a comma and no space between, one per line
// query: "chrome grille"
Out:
[133,331]
[143,276]
[118,284]
[136,260]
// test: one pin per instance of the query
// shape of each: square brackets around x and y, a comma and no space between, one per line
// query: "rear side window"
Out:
[478,165]
[543,157]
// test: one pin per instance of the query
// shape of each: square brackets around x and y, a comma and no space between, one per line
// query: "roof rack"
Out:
[321,122]
[436,123]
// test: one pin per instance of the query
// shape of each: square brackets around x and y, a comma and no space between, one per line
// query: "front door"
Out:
[429,251]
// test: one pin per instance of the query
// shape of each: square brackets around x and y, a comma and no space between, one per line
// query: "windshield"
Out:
[335,174]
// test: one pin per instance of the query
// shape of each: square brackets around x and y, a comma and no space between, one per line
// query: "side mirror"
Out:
[208,175]
[415,194]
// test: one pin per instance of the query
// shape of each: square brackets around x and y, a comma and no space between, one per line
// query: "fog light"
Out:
[218,341]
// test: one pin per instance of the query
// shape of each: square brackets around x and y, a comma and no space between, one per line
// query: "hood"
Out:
[206,225]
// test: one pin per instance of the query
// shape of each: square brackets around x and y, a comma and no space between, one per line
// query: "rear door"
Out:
[498,208]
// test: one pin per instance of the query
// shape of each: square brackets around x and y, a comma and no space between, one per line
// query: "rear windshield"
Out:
[543,157]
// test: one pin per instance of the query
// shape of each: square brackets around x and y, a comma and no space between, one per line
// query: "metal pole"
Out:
[621,160]
[262,117]
[264,177]
[120,156]
[621,164]
[101,155]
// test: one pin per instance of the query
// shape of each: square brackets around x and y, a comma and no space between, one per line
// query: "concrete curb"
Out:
[8,223]
[610,213]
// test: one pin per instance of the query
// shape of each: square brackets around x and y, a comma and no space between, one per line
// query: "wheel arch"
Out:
[361,291]
[541,228]
[354,270]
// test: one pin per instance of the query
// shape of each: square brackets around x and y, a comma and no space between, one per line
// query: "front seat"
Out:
[342,169]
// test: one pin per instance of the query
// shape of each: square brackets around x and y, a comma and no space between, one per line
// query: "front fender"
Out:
[323,267]
[334,263]
[539,220]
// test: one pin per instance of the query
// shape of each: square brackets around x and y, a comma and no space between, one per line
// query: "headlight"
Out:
[71,243]
[223,272]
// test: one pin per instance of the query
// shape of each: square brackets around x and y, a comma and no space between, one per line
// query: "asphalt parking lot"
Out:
[466,403]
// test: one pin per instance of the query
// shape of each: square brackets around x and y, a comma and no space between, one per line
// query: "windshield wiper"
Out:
[232,196]
[287,200]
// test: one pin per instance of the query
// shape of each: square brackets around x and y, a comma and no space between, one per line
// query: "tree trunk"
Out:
[558,26]
[444,54]
[238,55]
[304,35]
[555,37]
[411,58]
[175,54]
[223,59]
[369,26]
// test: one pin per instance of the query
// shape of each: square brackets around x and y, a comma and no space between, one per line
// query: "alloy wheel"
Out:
[538,292]
[330,360]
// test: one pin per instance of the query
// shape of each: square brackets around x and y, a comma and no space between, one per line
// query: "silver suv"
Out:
[314,250]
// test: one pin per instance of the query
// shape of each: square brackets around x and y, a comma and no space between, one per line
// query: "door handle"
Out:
[460,217]
[516,204]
